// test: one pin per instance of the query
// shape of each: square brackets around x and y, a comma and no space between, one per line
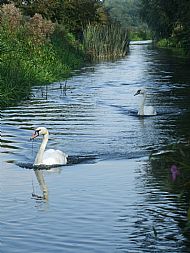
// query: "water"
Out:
[107,199]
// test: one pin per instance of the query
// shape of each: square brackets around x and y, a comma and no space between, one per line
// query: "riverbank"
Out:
[24,65]
[175,47]
[33,51]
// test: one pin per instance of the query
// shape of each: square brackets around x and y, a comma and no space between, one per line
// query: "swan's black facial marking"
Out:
[35,134]
[137,93]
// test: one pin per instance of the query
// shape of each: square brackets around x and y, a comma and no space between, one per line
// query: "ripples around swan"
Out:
[108,199]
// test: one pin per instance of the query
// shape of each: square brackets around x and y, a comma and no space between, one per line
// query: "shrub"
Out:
[39,29]
[10,17]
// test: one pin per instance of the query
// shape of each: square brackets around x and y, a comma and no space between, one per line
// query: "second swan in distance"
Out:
[145,110]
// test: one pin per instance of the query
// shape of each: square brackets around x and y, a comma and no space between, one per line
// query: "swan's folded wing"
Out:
[52,156]
[149,110]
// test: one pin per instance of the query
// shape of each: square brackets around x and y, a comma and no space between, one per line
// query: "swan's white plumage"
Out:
[145,110]
[50,156]
[149,110]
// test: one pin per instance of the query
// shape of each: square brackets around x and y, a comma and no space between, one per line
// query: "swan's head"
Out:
[140,92]
[39,131]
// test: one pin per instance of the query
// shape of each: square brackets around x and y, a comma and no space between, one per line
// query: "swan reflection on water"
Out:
[39,171]
[145,110]
[42,184]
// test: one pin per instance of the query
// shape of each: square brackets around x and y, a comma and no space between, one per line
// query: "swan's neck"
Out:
[141,108]
[39,156]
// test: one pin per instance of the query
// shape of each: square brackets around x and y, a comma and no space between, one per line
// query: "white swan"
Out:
[50,156]
[145,110]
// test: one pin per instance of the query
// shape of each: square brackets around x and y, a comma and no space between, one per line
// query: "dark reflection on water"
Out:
[71,160]
[109,200]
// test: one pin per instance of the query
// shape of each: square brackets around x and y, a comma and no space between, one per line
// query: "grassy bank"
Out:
[33,51]
[174,45]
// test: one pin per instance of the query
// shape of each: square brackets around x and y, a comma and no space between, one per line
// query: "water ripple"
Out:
[107,199]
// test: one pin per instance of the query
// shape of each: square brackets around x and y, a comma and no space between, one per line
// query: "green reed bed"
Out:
[105,41]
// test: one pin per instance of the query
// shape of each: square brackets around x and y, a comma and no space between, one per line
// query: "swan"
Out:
[50,156]
[145,110]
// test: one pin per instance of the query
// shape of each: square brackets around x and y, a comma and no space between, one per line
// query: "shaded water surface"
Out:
[108,200]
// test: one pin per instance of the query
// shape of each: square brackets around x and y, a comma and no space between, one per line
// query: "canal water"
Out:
[106,199]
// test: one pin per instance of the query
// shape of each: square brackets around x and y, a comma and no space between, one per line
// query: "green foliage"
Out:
[127,14]
[140,34]
[157,15]
[76,15]
[73,14]
[105,41]
[170,42]
[67,48]
[168,20]
[33,58]
[49,9]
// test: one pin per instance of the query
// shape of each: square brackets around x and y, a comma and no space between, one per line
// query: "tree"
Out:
[77,14]
[168,19]
[127,13]
[74,15]
[48,9]
[160,15]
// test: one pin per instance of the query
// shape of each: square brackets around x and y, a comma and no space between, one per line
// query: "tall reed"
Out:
[105,41]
